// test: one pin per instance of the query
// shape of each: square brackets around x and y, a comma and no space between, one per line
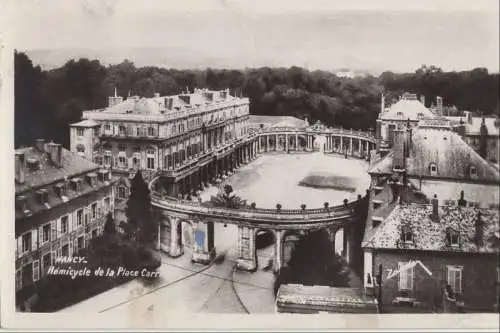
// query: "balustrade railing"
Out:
[294,214]
[329,131]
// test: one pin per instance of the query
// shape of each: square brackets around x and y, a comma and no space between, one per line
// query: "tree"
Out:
[109,226]
[225,199]
[138,209]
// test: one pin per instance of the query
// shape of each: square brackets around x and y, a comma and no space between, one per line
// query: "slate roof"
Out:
[452,156]
[409,108]
[492,124]
[429,235]
[156,105]
[277,121]
[85,123]
[48,172]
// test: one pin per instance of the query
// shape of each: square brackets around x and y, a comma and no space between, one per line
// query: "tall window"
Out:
[406,274]
[121,130]
[151,162]
[46,233]
[454,278]
[46,261]
[36,270]
[94,210]
[107,127]
[79,217]
[151,131]
[107,204]
[19,279]
[64,224]
[121,192]
[26,240]
[81,242]
[79,131]
[122,161]
[65,250]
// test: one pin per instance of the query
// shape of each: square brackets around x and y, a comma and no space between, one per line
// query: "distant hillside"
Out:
[172,58]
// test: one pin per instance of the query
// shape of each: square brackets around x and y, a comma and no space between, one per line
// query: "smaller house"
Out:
[424,249]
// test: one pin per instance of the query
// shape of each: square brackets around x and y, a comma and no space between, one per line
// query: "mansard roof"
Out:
[405,109]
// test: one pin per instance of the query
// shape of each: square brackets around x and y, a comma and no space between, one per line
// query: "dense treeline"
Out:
[47,101]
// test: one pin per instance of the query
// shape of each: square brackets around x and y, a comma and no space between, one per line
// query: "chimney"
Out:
[39,144]
[398,161]
[461,128]
[439,106]
[422,99]
[55,152]
[462,202]
[156,95]
[479,232]
[435,208]
[19,165]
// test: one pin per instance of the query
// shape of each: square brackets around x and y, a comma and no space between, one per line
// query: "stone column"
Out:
[276,142]
[360,149]
[347,244]
[351,147]
[246,249]
[268,137]
[258,143]
[176,249]
[278,250]
[296,142]
[341,144]
[203,247]
[286,142]
[367,148]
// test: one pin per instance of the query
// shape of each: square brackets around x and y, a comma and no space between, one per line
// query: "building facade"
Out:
[183,138]
[424,249]
[61,203]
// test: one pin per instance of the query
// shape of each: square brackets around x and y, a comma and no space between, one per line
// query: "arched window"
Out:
[433,169]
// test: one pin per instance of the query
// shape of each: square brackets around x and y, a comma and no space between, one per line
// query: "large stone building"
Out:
[61,203]
[183,137]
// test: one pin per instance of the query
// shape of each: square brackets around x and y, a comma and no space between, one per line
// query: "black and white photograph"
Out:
[254,158]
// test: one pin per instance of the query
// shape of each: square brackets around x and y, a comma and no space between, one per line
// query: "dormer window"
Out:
[452,237]
[406,235]
[42,196]
[472,172]
[60,189]
[433,169]
[91,179]
[32,164]
[420,115]
[21,203]
[103,175]
[399,114]
[76,184]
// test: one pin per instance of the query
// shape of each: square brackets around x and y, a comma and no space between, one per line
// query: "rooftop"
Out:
[85,123]
[322,295]
[452,156]
[158,105]
[47,172]
[492,124]
[406,108]
[430,235]
[277,121]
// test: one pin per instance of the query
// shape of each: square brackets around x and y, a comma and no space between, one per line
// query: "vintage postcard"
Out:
[257,164]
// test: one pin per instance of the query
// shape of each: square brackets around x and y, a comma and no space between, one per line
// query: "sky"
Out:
[398,35]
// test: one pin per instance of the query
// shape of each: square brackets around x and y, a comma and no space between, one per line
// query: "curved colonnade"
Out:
[173,212]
